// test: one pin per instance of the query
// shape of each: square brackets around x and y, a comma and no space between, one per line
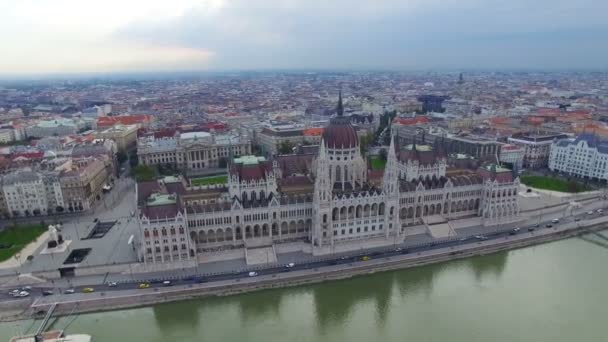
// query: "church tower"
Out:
[322,199]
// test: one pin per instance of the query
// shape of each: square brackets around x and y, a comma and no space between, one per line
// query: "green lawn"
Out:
[210,180]
[144,173]
[377,163]
[18,237]
[554,184]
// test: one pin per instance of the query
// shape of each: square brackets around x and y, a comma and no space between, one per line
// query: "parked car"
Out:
[599,211]
[69,291]
[47,293]
[365,258]
[88,290]
[290,265]
[23,294]
[555,220]
[576,219]
[549,225]
[144,286]
[253,274]
[481,237]
[590,212]
[167,283]
[112,284]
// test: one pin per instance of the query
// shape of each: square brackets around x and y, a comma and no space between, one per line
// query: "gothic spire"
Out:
[340,107]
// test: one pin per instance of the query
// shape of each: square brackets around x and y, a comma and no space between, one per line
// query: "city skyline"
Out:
[224,35]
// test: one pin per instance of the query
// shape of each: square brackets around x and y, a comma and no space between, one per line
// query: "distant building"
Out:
[536,147]
[142,120]
[29,193]
[512,155]
[585,156]
[473,145]
[7,135]
[55,127]
[192,152]
[271,138]
[432,103]
[97,111]
[82,184]
[125,137]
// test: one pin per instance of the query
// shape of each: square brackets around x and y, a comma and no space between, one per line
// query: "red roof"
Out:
[30,155]
[107,121]
[251,172]
[340,134]
[315,131]
[411,121]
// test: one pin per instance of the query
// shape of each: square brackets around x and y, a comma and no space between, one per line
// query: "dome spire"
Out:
[340,108]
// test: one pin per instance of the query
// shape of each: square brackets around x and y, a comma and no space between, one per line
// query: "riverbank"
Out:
[137,298]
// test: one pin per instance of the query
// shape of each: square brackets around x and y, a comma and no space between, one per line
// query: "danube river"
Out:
[556,292]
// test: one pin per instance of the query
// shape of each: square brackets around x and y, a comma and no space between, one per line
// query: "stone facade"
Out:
[585,157]
[342,205]
[82,184]
[192,152]
[29,193]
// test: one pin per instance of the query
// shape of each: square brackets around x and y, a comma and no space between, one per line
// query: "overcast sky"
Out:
[64,36]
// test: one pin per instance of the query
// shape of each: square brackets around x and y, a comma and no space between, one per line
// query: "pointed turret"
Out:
[391,174]
[340,107]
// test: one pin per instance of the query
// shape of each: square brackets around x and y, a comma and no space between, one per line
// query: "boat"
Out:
[52,336]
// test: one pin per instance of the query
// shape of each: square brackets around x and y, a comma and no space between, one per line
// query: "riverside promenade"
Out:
[119,299]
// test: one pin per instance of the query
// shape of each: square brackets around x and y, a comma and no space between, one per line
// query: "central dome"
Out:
[340,133]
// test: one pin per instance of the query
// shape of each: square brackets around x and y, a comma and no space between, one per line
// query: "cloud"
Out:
[387,34]
[280,34]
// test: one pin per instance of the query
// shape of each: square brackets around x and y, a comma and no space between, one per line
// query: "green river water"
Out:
[556,292]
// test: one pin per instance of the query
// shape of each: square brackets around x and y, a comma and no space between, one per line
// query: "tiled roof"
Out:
[340,134]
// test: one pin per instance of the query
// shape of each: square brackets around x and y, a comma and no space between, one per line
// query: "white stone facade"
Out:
[585,157]
[28,193]
[193,152]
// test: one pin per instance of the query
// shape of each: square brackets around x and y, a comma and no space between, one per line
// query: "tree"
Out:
[364,142]
[121,157]
[286,147]
[383,154]
[133,160]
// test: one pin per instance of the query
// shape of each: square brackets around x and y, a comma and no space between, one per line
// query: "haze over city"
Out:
[303,170]
[71,36]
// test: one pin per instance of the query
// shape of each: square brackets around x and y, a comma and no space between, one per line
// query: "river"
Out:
[554,292]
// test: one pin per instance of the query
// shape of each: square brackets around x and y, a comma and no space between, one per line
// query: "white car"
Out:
[599,211]
[590,212]
[23,294]
[112,284]
[14,293]
[69,291]
[167,283]
[253,274]
[290,265]
[555,220]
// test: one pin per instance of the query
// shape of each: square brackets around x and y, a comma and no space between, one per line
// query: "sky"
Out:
[77,36]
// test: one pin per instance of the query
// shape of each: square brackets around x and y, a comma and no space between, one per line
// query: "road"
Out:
[332,260]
